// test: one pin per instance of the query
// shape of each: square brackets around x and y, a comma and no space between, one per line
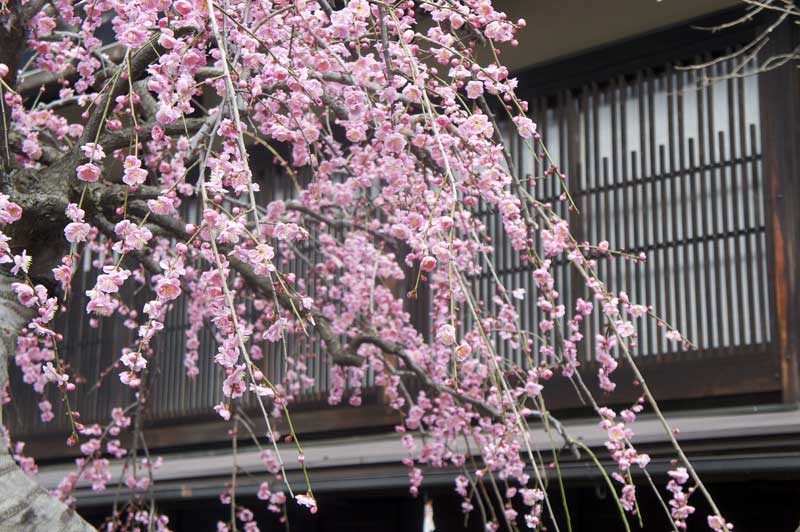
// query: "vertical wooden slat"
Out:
[725,232]
[574,179]
[639,244]
[604,265]
[610,182]
[586,202]
[672,251]
[706,225]
[658,287]
[689,323]
[596,204]
[665,301]
[749,196]
[762,249]
[627,278]
[609,229]
[735,225]
[715,216]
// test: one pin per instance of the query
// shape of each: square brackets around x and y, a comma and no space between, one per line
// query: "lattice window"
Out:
[657,165]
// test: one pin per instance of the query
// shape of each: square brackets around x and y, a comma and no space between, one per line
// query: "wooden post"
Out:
[779,91]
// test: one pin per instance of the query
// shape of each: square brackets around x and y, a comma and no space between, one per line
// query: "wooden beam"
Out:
[685,377]
[192,432]
[780,137]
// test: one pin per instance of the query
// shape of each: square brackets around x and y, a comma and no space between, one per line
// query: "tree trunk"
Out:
[24,505]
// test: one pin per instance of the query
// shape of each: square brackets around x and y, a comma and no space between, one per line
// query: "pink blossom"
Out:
[234,386]
[183,7]
[133,360]
[446,334]
[25,294]
[93,152]
[21,262]
[168,289]
[308,501]
[463,351]
[46,409]
[112,279]
[499,31]
[63,274]
[134,177]
[673,335]
[223,411]
[10,212]
[101,303]
[75,213]
[130,378]
[474,89]
[263,491]
[525,126]
[77,231]
[88,172]
[680,475]
[718,524]
[54,375]
[395,143]
[161,205]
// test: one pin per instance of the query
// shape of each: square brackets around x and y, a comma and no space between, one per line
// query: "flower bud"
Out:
[428,263]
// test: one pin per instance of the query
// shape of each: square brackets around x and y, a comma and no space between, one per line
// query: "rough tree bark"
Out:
[24,505]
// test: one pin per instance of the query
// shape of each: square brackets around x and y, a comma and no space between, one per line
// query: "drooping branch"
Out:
[484,408]
[390,348]
[339,353]
[346,355]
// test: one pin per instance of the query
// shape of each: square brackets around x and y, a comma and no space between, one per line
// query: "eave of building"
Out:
[557,30]
[723,443]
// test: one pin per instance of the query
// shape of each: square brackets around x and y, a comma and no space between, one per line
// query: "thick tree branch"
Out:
[147,103]
[122,139]
[32,8]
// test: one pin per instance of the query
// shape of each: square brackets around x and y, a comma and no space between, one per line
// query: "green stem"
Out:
[608,481]
[562,490]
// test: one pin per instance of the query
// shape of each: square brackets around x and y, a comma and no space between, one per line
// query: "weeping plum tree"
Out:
[120,115]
